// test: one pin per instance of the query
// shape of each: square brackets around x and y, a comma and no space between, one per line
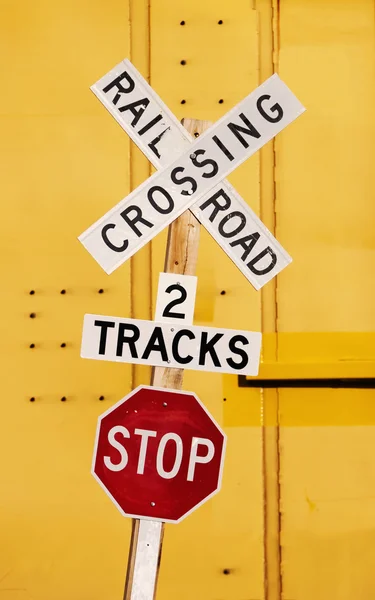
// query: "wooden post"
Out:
[147,536]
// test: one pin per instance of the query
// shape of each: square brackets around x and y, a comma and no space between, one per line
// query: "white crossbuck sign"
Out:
[191,174]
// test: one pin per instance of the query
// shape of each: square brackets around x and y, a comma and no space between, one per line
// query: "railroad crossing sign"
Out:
[192,174]
[158,454]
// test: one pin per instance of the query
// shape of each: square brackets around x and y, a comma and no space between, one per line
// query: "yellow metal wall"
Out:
[295,518]
[325,189]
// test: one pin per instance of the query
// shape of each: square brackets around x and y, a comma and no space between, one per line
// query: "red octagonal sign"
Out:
[158,454]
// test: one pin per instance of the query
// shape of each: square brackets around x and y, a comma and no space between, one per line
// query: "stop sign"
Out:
[158,454]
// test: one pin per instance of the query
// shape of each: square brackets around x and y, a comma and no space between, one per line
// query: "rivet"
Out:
[165,404]
[183,62]
[172,329]
[152,503]
[183,101]
[32,399]
[101,397]
[101,291]
[220,22]
[196,134]
[223,292]
[63,399]
[32,346]
[182,23]
[32,292]
[32,315]
[224,399]
[221,101]
[63,292]
[226,571]
[176,262]
[193,156]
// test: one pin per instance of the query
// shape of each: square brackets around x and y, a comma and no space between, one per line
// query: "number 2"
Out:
[167,311]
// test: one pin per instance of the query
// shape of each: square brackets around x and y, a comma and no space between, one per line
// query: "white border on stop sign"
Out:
[126,240]
[169,391]
[174,140]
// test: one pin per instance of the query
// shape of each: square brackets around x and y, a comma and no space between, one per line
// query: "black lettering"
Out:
[152,145]
[137,219]
[183,360]
[184,180]
[208,347]
[241,225]
[217,205]
[105,325]
[121,90]
[167,312]
[251,130]
[109,243]
[203,163]
[163,192]
[233,348]
[156,344]
[122,339]
[223,148]
[276,108]
[150,124]
[259,257]
[248,242]
[136,112]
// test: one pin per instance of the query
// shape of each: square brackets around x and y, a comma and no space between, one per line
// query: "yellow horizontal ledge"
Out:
[317,355]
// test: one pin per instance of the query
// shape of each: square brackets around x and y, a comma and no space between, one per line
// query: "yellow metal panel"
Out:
[325,182]
[140,171]
[327,407]
[64,163]
[319,355]
[327,490]
[325,174]
[221,64]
